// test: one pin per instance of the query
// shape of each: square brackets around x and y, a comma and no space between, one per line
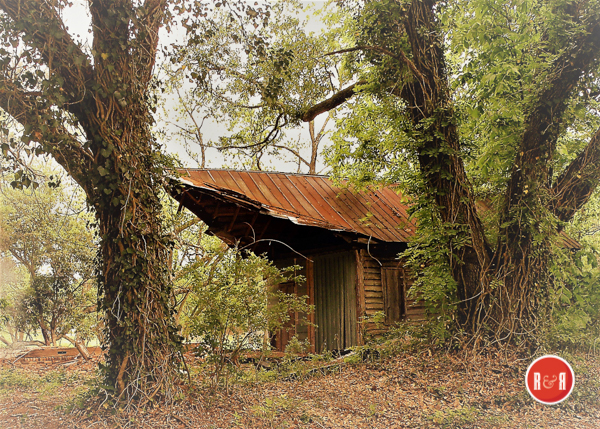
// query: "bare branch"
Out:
[270,137]
[294,152]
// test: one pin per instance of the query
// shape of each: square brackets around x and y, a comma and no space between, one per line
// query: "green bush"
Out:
[235,305]
[574,300]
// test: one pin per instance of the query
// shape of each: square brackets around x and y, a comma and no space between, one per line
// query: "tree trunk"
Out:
[45,330]
[144,345]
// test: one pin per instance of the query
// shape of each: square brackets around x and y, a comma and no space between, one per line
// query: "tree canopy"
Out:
[256,81]
[46,230]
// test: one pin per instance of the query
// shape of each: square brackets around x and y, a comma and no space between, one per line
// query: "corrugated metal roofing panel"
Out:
[311,200]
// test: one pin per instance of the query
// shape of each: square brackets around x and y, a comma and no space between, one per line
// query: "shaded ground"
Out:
[411,390]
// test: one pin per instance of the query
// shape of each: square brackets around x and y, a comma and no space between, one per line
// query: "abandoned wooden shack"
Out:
[346,242]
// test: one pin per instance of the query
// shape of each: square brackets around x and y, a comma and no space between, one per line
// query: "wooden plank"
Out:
[372,276]
[335,295]
[235,216]
[371,263]
[338,334]
[374,306]
[374,294]
[373,286]
[351,313]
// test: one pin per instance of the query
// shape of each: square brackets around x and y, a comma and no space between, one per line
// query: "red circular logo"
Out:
[550,379]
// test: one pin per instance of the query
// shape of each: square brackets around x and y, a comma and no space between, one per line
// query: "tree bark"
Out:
[107,98]
[498,287]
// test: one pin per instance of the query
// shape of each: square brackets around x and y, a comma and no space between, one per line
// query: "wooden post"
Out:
[310,289]
[360,295]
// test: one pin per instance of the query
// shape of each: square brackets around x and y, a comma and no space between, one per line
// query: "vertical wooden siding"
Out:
[297,326]
[335,300]
[393,285]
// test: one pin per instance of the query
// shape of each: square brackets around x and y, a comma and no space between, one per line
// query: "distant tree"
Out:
[46,230]
[13,284]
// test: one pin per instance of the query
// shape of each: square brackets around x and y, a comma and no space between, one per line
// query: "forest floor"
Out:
[427,388]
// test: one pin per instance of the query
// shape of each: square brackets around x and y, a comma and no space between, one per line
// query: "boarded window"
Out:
[394,303]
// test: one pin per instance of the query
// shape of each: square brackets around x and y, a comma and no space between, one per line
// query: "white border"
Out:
[570,369]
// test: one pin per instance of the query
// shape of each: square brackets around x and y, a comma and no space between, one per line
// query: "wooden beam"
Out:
[216,213]
[193,198]
[237,211]
[251,225]
[264,229]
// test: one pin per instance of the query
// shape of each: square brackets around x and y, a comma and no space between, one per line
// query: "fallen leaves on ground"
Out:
[428,388]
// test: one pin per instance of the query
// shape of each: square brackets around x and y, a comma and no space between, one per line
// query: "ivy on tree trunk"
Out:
[500,283]
[92,113]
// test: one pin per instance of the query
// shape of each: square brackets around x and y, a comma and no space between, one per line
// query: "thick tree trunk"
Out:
[136,293]
[107,99]
[144,352]
[431,110]
[499,289]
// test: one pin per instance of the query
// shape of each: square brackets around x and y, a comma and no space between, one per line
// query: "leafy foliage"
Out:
[486,113]
[46,230]
[227,299]
[575,300]
[257,80]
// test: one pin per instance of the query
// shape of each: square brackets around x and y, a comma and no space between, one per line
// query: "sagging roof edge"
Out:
[239,199]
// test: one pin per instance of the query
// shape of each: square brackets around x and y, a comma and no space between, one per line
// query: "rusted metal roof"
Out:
[312,200]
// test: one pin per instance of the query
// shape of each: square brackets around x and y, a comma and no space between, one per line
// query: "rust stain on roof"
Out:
[309,200]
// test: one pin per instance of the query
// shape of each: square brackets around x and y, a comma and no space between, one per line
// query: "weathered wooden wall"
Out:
[347,287]
[298,325]
[335,301]
[374,297]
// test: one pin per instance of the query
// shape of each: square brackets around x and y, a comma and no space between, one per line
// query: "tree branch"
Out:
[401,57]
[332,102]
[543,125]
[61,144]
[49,36]
[271,136]
[294,152]
[575,185]
[150,18]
